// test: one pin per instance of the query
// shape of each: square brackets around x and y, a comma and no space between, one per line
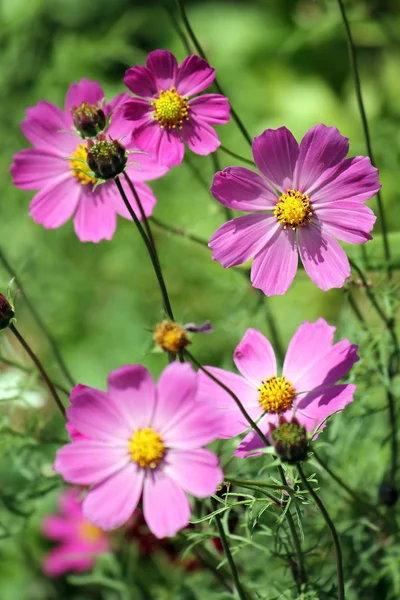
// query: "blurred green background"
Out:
[280,62]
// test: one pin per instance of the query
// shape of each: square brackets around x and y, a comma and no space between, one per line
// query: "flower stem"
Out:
[201,52]
[332,529]
[235,575]
[155,263]
[16,365]
[178,231]
[38,319]
[39,366]
[234,155]
[363,115]
[142,214]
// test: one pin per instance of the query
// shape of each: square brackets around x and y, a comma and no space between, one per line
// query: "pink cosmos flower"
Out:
[144,442]
[164,116]
[305,197]
[54,165]
[79,541]
[306,389]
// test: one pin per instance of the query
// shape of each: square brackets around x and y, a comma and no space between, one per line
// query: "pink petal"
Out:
[347,221]
[74,433]
[140,80]
[131,389]
[176,395]
[111,503]
[68,558]
[355,180]
[199,136]
[93,413]
[145,167]
[137,110]
[165,145]
[242,238]
[254,357]
[34,168]
[211,108]
[275,153]
[146,197]
[275,265]
[45,127]
[242,189]
[84,91]
[195,471]
[95,218]
[194,76]
[323,258]
[195,427]
[164,68]
[322,147]
[56,202]
[252,441]
[321,403]
[70,503]
[115,106]
[165,505]
[87,462]
[57,528]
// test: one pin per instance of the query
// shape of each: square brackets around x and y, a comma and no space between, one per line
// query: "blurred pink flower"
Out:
[306,389]
[312,191]
[79,541]
[143,441]
[54,166]
[164,116]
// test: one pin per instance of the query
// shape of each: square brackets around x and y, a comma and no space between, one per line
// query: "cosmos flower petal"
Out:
[146,197]
[275,153]
[211,108]
[34,168]
[46,125]
[195,471]
[133,394]
[164,68]
[137,110]
[316,406]
[176,393]
[56,202]
[323,258]
[84,91]
[242,189]
[275,265]
[199,136]
[194,76]
[141,81]
[165,505]
[95,218]
[347,221]
[67,558]
[252,440]
[56,527]
[255,358]
[165,145]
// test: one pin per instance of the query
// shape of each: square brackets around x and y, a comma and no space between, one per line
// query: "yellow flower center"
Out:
[170,109]
[89,532]
[146,448]
[170,336]
[80,169]
[276,394]
[293,209]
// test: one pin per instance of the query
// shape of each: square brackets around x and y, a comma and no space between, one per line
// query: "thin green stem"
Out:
[201,52]
[332,529]
[39,366]
[276,339]
[235,575]
[237,156]
[178,231]
[241,482]
[364,120]
[142,213]
[20,367]
[208,560]
[38,319]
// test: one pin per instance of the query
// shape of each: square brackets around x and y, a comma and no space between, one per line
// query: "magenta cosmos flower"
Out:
[305,197]
[305,389]
[164,117]
[144,442]
[54,165]
[79,541]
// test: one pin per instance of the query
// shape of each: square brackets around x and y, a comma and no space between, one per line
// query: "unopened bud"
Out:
[88,119]
[290,440]
[170,336]
[6,312]
[106,158]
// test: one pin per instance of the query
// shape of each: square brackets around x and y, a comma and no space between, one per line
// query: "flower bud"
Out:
[290,440]
[88,119]
[106,158]
[170,336]
[6,312]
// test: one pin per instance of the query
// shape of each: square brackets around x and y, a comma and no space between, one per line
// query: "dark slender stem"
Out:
[178,231]
[393,435]
[201,52]
[153,258]
[38,319]
[40,367]
[355,308]
[235,575]
[237,156]
[332,529]
[179,31]
[16,365]
[370,294]
[360,101]
[142,214]
[301,573]
[203,182]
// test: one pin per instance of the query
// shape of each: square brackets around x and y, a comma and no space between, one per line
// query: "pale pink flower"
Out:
[306,389]
[54,166]
[144,443]
[79,542]
[164,116]
[305,197]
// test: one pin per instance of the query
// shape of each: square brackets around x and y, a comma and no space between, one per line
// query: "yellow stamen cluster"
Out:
[146,448]
[170,109]
[293,210]
[170,336]
[89,532]
[276,394]
[80,169]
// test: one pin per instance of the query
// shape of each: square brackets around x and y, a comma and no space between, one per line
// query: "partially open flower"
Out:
[170,336]
[89,119]
[106,157]
[6,312]
[290,440]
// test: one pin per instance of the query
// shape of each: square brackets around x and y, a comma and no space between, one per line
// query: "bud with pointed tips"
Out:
[88,119]
[6,312]
[107,158]
[290,440]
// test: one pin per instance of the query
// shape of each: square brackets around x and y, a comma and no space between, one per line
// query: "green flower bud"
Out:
[6,312]
[106,158]
[290,440]
[88,119]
